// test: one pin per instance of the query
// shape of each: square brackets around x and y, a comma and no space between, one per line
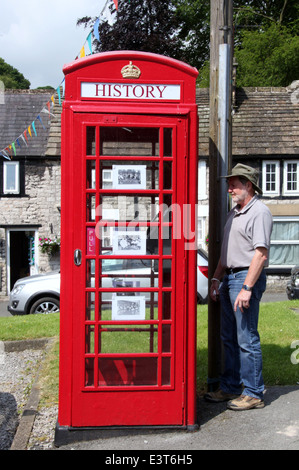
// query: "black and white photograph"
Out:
[128,308]
[129,243]
[129,177]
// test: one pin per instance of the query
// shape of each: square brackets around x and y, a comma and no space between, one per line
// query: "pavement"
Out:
[275,427]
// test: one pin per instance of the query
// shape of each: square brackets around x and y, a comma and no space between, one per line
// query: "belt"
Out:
[235,270]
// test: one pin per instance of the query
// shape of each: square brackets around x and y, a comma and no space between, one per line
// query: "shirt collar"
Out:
[247,207]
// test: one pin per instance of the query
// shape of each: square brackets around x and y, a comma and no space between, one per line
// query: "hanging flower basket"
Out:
[49,246]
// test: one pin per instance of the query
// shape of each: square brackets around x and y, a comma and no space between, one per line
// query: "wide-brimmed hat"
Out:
[247,172]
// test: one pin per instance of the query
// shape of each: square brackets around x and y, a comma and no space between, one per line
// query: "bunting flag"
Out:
[96,29]
[11,149]
[14,148]
[33,127]
[40,119]
[82,53]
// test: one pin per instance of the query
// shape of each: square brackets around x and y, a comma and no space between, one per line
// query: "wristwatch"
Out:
[245,287]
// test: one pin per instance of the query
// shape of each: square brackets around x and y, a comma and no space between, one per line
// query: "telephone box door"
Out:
[128,187]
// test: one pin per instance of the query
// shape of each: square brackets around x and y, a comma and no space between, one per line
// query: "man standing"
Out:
[244,254]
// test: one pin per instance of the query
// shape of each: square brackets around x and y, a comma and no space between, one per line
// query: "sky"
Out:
[38,37]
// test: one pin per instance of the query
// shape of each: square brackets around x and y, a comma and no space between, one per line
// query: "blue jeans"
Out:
[241,340]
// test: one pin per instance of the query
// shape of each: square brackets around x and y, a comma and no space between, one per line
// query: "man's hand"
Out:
[242,300]
[214,290]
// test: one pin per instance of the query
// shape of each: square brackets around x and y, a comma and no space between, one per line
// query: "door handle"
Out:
[77,257]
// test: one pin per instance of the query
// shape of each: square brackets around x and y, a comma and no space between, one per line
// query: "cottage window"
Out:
[11,177]
[107,179]
[291,177]
[284,250]
[271,180]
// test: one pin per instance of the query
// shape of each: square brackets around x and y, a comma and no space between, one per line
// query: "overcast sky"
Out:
[38,37]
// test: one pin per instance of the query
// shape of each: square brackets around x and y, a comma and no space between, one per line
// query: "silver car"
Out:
[41,293]
[35,294]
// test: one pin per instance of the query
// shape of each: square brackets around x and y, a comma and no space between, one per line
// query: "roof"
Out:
[21,109]
[265,122]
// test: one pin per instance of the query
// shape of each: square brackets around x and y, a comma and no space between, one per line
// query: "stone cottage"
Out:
[29,184]
[265,135]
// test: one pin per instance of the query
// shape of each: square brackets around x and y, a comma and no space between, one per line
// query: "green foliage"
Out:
[194,32]
[265,36]
[268,58]
[11,77]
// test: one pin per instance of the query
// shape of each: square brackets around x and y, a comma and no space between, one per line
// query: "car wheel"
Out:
[45,306]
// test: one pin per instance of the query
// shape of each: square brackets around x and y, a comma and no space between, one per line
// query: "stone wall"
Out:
[39,208]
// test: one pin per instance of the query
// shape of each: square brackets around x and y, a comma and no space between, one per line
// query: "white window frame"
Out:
[202,180]
[107,181]
[276,191]
[286,191]
[202,215]
[285,242]
[16,166]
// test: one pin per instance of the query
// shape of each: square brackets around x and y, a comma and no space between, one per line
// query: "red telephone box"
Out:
[128,254]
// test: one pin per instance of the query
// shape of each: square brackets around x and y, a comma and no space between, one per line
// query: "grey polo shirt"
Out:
[245,231]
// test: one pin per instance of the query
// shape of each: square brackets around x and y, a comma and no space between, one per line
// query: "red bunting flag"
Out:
[116,4]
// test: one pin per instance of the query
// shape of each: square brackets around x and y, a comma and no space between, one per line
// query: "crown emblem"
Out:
[130,71]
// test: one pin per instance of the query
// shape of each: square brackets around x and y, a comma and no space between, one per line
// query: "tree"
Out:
[143,25]
[194,19]
[265,37]
[268,58]
[11,77]
[267,42]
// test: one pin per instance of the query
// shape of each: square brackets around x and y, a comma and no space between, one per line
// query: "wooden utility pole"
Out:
[221,38]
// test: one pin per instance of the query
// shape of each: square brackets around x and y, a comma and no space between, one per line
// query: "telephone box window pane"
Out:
[89,339]
[166,240]
[167,175]
[167,142]
[90,174]
[108,310]
[114,242]
[128,371]
[124,273]
[166,338]
[129,175]
[129,141]
[89,371]
[90,306]
[90,141]
[90,208]
[128,339]
[167,273]
[129,208]
[167,215]
[166,364]
[166,305]
[90,273]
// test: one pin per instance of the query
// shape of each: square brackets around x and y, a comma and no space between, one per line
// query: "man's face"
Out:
[238,191]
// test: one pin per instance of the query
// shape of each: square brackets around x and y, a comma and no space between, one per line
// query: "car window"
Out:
[139,263]
[113,265]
